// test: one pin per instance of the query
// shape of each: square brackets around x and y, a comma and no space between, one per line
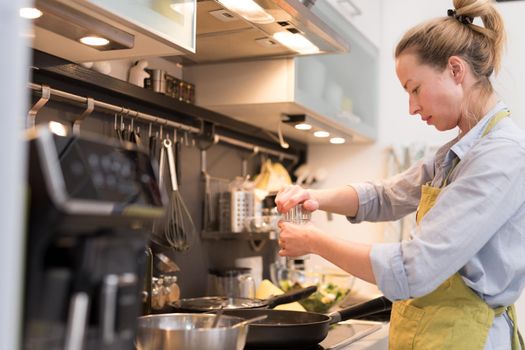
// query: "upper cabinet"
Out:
[138,28]
[172,22]
[336,93]
[364,15]
[226,30]
[332,93]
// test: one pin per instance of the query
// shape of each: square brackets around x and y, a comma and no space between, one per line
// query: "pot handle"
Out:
[290,296]
[361,310]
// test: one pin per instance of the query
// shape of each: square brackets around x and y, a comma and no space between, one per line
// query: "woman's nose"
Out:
[413,107]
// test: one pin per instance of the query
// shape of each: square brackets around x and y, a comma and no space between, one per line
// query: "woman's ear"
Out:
[457,68]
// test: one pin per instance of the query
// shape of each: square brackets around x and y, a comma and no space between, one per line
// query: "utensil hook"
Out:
[89,109]
[46,95]
[282,142]
[244,164]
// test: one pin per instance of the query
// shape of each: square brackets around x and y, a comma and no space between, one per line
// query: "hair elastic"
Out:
[463,19]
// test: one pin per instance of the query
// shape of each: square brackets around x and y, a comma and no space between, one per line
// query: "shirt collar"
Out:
[466,142]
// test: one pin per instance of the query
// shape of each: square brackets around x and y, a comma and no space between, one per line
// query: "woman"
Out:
[454,283]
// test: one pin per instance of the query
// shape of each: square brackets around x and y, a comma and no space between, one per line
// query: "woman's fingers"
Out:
[289,197]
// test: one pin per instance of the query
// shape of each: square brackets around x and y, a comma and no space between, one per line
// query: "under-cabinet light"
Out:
[337,140]
[74,24]
[182,8]
[303,126]
[94,40]
[296,42]
[321,133]
[57,128]
[249,10]
[30,13]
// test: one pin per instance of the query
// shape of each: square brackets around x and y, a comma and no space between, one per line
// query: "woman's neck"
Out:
[467,123]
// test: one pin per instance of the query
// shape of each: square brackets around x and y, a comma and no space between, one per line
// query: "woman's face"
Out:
[435,95]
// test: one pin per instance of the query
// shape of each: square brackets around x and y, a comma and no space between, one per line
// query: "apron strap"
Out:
[493,121]
[517,339]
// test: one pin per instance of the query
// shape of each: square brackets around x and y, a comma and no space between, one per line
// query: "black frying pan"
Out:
[285,329]
[207,304]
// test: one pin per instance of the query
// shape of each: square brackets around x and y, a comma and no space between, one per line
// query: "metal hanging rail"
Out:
[117,109]
[147,118]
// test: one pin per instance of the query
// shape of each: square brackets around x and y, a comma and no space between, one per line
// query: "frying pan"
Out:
[207,304]
[296,329]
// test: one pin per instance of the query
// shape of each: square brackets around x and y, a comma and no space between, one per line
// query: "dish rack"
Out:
[225,209]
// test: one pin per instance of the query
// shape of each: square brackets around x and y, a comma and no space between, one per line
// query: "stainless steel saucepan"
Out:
[192,331]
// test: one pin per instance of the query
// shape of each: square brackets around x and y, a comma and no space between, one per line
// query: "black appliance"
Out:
[91,202]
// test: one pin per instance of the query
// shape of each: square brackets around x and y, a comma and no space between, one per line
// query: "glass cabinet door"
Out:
[170,21]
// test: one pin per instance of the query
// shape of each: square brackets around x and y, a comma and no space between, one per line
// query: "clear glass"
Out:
[297,215]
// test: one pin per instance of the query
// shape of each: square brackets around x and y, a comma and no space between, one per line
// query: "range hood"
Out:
[224,35]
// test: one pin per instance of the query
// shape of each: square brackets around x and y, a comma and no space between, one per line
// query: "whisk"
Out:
[178,228]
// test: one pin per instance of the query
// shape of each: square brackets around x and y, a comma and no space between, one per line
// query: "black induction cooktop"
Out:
[339,336]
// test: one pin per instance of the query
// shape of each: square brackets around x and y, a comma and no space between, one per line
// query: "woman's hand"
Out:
[290,196]
[297,239]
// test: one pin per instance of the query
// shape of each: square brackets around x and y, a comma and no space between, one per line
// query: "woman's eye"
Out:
[416,90]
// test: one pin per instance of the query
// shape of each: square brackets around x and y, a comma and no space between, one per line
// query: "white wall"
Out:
[396,127]
[511,84]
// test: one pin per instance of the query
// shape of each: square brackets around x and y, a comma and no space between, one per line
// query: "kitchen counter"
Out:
[377,340]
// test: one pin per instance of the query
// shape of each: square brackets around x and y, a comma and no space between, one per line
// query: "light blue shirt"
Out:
[476,227]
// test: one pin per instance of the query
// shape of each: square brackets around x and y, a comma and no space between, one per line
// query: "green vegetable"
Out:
[327,295]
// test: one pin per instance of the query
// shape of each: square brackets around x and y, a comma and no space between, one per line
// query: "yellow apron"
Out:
[452,316]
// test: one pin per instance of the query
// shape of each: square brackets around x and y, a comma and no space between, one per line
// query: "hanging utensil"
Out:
[154,145]
[157,232]
[134,135]
[123,131]
[118,134]
[179,229]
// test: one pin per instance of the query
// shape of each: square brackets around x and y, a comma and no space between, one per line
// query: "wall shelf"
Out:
[70,77]
[217,235]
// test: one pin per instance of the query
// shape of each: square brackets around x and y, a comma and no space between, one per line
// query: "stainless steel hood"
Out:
[223,35]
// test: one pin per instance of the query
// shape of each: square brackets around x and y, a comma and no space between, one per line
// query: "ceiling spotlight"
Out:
[94,40]
[337,140]
[30,13]
[321,133]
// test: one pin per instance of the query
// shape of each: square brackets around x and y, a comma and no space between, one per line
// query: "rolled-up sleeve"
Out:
[389,270]
[395,197]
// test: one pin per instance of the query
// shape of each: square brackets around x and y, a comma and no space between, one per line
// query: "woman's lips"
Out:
[427,119]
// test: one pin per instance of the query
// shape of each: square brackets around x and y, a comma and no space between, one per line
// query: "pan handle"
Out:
[361,310]
[290,296]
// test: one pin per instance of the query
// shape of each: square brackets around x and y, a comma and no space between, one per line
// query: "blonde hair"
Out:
[435,41]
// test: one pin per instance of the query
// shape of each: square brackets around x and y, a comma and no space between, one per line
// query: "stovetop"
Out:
[339,336]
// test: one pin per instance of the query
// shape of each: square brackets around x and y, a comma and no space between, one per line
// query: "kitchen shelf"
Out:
[217,235]
[70,77]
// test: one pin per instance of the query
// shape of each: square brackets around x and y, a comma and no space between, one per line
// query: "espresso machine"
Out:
[91,203]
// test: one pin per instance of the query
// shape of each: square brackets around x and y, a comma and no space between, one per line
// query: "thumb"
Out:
[311,205]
